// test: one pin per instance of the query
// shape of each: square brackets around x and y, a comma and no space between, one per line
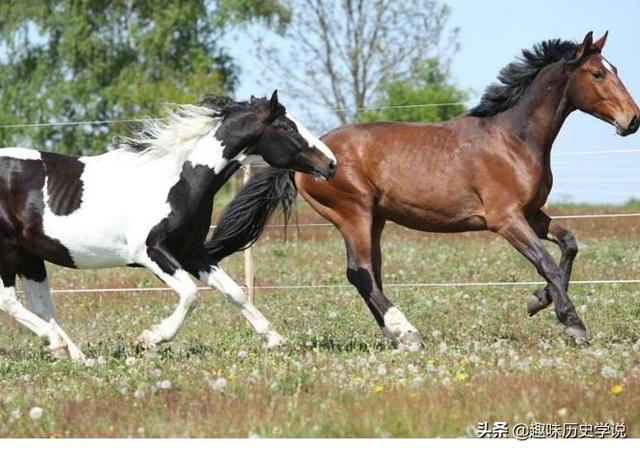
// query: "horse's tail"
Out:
[244,218]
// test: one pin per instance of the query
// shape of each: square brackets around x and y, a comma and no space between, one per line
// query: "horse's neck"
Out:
[539,115]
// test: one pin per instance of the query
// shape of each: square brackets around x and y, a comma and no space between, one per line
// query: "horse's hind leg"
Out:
[361,232]
[35,284]
[520,234]
[547,229]
[33,275]
[59,342]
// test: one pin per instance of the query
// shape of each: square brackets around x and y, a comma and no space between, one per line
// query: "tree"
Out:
[339,54]
[78,60]
[427,88]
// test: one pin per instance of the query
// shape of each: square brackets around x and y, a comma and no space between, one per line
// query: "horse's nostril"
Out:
[634,124]
[332,166]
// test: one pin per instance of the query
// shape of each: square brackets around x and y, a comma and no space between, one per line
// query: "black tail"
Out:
[245,217]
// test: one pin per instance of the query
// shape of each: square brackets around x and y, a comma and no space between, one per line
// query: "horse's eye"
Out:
[290,129]
[598,75]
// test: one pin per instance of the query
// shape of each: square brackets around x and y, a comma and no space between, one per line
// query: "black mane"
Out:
[517,76]
[223,105]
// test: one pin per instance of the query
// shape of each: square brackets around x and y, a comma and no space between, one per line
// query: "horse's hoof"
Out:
[535,304]
[146,341]
[59,353]
[575,335]
[411,341]
[275,341]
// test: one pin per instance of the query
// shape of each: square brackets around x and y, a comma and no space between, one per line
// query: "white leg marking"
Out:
[38,296]
[219,280]
[166,330]
[399,330]
[56,337]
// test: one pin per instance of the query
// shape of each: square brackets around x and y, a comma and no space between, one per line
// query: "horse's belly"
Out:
[90,244]
[434,213]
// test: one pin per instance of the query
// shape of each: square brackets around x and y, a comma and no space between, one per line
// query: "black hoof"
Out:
[537,302]
[575,335]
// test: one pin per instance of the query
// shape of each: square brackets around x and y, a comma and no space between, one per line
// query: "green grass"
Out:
[484,359]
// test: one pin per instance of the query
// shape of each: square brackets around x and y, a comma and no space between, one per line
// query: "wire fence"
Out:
[249,262]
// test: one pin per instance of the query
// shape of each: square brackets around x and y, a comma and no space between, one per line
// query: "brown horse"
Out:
[488,169]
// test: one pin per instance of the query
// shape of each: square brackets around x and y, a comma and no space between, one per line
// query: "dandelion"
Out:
[562,412]
[617,389]
[15,415]
[164,384]
[461,376]
[90,362]
[242,355]
[382,369]
[36,413]
[101,360]
[219,384]
[378,388]
[608,372]
[130,361]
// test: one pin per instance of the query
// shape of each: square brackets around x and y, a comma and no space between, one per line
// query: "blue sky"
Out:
[492,33]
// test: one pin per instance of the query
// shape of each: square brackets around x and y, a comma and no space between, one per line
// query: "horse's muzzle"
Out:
[331,170]
[633,125]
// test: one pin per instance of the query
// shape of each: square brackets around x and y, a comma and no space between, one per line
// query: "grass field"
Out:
[484,359]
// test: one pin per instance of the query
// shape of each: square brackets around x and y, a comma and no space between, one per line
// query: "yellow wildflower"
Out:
[378,388]
[617,389]
[462,376]
[357,379]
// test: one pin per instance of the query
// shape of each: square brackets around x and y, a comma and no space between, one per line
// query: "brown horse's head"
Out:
[595,88]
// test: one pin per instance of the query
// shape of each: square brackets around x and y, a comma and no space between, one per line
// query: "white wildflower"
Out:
[36,413]
[219,384]
[164,384]
[130,361]
[608,372]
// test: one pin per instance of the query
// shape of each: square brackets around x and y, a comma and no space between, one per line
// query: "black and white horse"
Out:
[148,203]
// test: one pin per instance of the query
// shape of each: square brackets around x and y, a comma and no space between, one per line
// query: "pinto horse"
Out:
[488,169]
[148,203]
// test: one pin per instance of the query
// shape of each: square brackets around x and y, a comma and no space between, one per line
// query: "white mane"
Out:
[176,135]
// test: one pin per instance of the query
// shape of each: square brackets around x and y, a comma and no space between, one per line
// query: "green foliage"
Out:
[428,83]
[78,60]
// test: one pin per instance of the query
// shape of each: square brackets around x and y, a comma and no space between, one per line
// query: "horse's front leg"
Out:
[548,229]
[213,276]
[517,230]
[167,268]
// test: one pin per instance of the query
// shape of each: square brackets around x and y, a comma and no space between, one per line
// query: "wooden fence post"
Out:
[248,256]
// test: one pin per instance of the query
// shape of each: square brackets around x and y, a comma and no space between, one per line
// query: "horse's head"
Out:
[261,127]
[285,143]
[595,88]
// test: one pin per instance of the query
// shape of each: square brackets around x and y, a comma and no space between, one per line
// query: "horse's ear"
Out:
[599,44]
[253,99]
[273,102]
[582,50]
